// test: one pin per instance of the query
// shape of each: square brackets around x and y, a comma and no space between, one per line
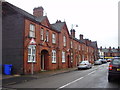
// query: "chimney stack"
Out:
[100,47]
[109,48]
[81,37]
[38,12]
[72,32]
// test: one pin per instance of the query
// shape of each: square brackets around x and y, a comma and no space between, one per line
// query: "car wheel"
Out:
[109,78]
[78,68]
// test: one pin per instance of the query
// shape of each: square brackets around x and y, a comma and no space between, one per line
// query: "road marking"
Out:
[91,72]
[70,83]
[11,83]
[75,81]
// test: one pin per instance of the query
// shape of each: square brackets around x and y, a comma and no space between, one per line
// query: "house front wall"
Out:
[62,48]
[49,46]
[27,39]
[12,38]
[43,48]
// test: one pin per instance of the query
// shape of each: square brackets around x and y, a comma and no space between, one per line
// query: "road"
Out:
[96,77]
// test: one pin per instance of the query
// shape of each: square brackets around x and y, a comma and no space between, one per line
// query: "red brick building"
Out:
[55,47]
[109,52]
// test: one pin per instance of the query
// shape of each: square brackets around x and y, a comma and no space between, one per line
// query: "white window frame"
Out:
[71,44]
[31,53]
[63,57]
[32,31]
[42,33]
[64,41]
[53,38]
[71,57]
[47,36]
[82,47]
[53,56]
[75,46]
[79,47]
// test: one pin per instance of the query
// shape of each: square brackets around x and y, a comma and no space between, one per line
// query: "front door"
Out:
[44,60]
[69,62]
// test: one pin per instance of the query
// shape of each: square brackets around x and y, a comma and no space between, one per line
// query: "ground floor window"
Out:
[31,53]
[53,56]
[71,57]
[63,56]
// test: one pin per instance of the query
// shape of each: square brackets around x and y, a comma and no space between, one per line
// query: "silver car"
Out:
[98,62]
[84,65]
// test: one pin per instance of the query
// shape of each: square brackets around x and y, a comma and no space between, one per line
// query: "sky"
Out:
[97,20]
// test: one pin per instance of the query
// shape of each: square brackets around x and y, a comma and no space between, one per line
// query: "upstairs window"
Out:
[32,31]
[47,36]
[75,46]
[71,44]
[53,56]
[79,47]
[53,38]
[42,34]
[64,41]
[82,47]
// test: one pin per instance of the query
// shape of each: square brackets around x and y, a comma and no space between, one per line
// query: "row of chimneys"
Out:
[73,34]
[109,48]
[39,11]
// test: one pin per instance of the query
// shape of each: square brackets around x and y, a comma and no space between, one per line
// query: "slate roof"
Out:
[107,50]
[24,13]
[40,19]
[93,44]
[57,26]
[77,39]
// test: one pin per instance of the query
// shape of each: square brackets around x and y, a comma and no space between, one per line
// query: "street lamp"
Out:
[74,25]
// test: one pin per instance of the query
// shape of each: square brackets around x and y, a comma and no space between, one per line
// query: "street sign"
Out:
[32,42]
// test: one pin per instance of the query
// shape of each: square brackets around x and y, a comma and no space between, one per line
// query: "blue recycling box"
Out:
[8,69]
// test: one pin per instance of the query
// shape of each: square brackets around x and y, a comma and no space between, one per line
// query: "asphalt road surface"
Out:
[96,77]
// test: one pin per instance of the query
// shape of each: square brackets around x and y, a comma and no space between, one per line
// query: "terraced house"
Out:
[109,52]
[55,47]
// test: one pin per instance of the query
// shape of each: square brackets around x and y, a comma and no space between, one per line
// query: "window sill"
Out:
[54,43]
[53,62]
[31,37]
[31,62]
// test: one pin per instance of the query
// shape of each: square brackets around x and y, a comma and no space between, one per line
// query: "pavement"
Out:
[15,79]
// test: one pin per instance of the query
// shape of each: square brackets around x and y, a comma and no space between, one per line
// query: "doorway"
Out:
[44,60]
[69,62]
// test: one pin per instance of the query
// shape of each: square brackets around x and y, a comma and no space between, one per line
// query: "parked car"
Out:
[114,69]
[103,60]
[84,65]
[109,60]
[98,62]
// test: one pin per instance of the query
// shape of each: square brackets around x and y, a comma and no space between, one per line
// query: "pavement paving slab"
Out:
[15,79]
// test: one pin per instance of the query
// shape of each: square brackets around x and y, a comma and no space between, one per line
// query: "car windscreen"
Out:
[84,62]
[116,62]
